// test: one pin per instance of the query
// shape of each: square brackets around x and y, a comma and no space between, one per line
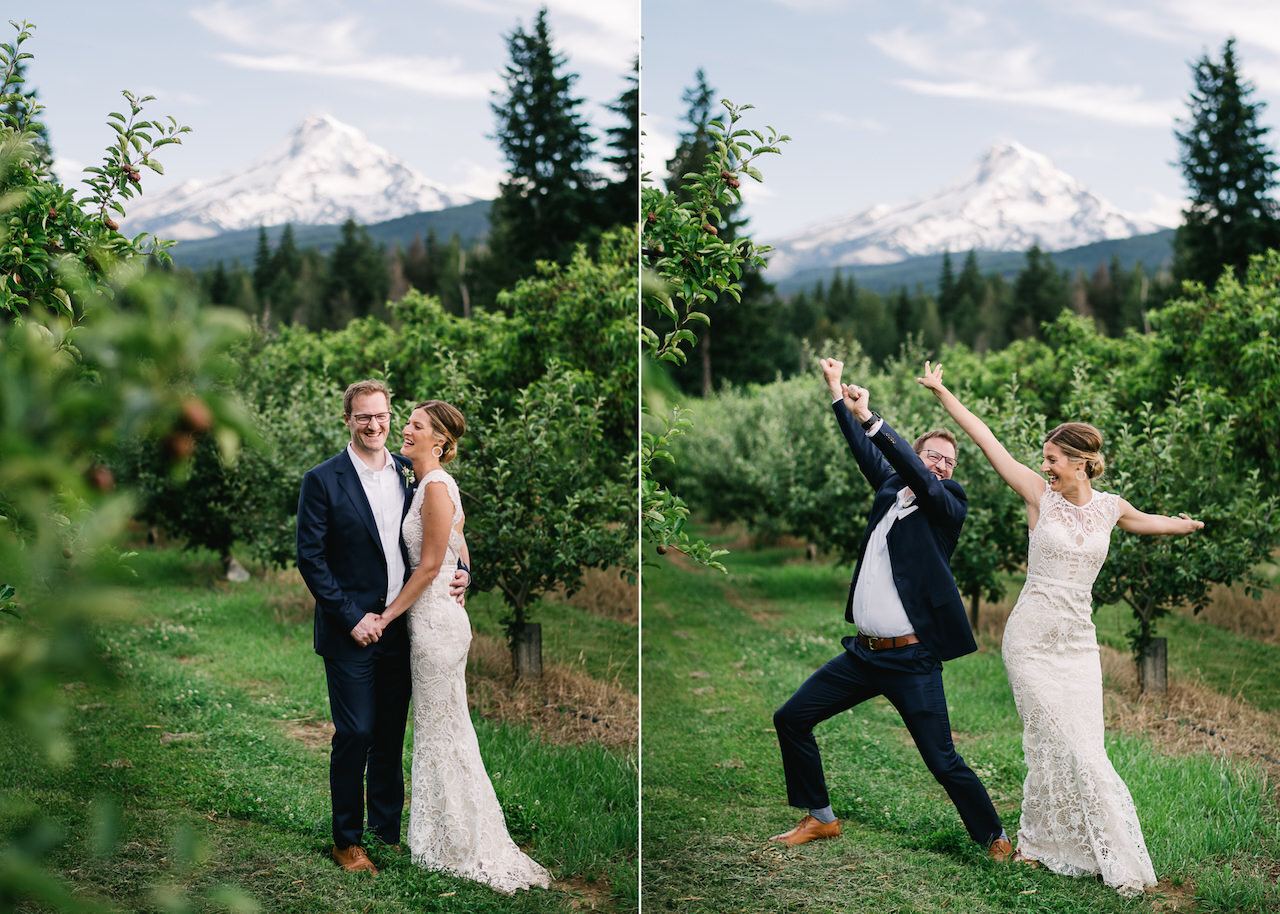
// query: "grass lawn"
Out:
[199,780]
[720,653]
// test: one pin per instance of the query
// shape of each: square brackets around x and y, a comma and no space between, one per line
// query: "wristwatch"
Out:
[874,418]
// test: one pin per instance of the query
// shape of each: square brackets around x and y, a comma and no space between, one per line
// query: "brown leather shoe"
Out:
[808,829]
[353,859]
[1000,850]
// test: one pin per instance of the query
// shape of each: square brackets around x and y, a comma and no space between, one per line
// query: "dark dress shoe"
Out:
[353,859]
[808,829]
[1000,850]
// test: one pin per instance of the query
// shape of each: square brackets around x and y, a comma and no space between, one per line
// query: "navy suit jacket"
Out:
[920,543]
[341,560]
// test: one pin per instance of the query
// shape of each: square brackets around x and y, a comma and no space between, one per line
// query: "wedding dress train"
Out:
[455,822]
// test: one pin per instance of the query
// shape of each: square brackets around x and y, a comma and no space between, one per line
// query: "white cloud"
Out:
[478,181]
[1163,209]
[658,143]
[440,78]
[1115,104]
[286,37]
[1203,28]
[601,32]
[963,61]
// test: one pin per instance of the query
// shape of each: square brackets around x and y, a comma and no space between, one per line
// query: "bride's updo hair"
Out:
[448,425]
[1081,441]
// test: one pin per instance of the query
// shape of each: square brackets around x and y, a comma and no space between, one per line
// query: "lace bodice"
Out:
[412,527]
[1070,542]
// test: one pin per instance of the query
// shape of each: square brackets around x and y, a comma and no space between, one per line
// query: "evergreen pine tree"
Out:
[1103,296]
[970,287]
[1230,172]
[621,198]
[948,291]
[358,280]
[280,298]
[1040,292]
[263,264]
[695,142]
[217,285]
[546,204]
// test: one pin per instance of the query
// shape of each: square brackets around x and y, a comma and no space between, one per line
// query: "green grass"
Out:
[190,788]
[721,653]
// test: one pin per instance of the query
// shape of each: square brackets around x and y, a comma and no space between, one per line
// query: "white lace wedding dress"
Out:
[1077,815]
[455,822]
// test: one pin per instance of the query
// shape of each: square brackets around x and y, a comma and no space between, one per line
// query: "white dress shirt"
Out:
[385,492]
[877,608]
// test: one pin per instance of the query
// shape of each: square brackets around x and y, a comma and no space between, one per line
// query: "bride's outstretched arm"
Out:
[437,516]
[1021,478]
[1136,521]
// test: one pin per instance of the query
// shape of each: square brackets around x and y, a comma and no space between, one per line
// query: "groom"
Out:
[909,616]
[354,563]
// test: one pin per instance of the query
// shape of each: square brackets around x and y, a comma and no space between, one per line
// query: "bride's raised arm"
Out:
[1021,478]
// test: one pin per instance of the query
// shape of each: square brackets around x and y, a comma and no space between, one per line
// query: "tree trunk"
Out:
[974,597]
[1153,668]
[705,351]
[462,284]
[233,570]
[526,651]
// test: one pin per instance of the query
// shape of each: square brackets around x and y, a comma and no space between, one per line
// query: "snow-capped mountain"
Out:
[323,174]
[1009,200]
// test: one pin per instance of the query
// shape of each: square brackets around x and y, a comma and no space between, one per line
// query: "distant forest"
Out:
[768,334]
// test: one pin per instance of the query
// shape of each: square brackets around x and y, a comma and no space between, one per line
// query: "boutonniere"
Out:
[409,479]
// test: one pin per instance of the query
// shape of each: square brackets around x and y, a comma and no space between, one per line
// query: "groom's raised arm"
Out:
[850,406]
[945,500]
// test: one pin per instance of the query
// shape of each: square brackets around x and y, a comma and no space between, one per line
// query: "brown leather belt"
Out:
[880,644]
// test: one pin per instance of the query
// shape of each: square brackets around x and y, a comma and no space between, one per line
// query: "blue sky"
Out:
[416,77]
[886,102]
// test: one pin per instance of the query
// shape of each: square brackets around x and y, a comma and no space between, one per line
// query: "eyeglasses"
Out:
[935,457]
[367,418]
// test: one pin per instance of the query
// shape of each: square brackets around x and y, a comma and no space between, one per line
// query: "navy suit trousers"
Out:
[911,678]
[369,700]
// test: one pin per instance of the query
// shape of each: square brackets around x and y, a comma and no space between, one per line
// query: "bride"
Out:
[1077,815]
[455,822]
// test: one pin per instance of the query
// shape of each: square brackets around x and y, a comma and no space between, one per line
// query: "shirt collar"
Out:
[363,468]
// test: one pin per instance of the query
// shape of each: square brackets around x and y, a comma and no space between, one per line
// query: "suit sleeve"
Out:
[313,528]
[944,501]
[870,461]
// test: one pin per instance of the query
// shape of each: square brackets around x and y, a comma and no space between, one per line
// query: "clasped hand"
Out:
[855,397]
[370,628]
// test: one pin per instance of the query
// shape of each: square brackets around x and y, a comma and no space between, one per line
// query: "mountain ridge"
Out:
[1010,199]
[1154,251]
[323,173]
